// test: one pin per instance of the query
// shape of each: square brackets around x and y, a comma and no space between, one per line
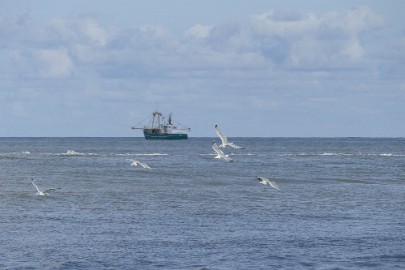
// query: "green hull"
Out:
[150,135]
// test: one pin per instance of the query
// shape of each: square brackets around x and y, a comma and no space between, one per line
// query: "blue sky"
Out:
[257,68]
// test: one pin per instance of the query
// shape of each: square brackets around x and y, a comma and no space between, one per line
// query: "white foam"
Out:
[142,154]
[387,154]
[22,153]
[74,153]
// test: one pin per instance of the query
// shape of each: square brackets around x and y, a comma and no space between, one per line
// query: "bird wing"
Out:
[144,165]
[221,154]
[49,189]
[32,181]
[217,150]
[221,135]
[235,146]
[273,185]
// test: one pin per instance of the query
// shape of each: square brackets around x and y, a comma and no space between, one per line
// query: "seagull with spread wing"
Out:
[138,163]
[40,192]
[220,154]
[266,181]
[224,139]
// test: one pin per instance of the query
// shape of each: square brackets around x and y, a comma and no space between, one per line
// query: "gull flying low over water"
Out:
[266,181]
[137,163]
[224,139]
[220,154]
[40,192]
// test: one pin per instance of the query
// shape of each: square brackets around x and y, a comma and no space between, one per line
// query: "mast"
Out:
[158,114]
[170,119]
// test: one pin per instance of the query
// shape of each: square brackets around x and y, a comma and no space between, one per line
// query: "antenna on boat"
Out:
[170,118]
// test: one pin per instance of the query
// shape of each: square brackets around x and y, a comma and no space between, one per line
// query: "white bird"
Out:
[40,192]
[220,154]
[224,140]
[137,163]
[266,181]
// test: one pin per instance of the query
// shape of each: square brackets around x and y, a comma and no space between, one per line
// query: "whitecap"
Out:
[329,154]
[75,153]
[386,155]
[297,155]
[147,154]
[72,153]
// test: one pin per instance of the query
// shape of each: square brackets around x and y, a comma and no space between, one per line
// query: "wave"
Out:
[13,155]
[230,154]
[141,154]
[16,153]
[247,154]
[74,153]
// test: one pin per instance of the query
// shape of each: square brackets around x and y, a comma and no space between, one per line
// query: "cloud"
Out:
[199,31]
[10,27]
[81,30]
[283,24]
[307,40]
[277,60]
[54,63]
[359,20]
[273,39]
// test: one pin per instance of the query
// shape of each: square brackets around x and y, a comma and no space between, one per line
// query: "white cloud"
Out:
[314,41]
[280,23]
[94,32]
[282,38]
[359,20]
[54,63]
[80,30]
[199,31]
[272,61]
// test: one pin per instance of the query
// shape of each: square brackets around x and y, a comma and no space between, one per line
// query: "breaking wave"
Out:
[74,153]
[142,154]
[15,154]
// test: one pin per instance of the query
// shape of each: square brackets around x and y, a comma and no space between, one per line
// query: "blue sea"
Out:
[341,204]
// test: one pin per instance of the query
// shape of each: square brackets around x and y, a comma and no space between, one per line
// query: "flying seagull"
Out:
[39,192]
[137,163]
[220,154]
[224,140]
[265,181]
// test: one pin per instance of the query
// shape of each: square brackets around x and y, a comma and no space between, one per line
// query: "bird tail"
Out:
[236,146]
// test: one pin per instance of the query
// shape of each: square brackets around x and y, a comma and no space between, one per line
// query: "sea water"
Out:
[341,204]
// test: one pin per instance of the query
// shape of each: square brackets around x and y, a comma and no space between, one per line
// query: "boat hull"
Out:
[155,134]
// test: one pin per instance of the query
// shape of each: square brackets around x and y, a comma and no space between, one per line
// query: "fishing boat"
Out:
[158,129]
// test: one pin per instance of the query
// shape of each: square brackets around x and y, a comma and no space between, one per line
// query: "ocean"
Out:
[341,204]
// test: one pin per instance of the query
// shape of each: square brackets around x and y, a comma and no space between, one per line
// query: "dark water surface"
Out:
[341,204]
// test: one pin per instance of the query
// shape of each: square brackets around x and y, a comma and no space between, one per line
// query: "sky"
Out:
[262,68]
